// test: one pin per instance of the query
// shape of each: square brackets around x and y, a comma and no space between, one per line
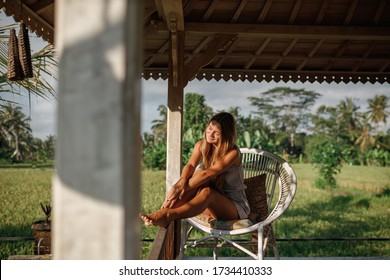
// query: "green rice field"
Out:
[358,208]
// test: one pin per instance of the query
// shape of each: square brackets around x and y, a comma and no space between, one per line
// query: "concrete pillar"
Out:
[96,190]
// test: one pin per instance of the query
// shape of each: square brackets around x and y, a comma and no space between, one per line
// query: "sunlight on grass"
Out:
[358,207]
[355,208]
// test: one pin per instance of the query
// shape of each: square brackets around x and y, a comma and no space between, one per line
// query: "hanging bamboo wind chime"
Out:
[15,72]
[25,51]
[19,55]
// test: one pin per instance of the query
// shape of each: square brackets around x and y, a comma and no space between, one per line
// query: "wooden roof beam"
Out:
[161,50]
[160,10]
[258,52]
[188,6]
[365,55]
[379,11]
[264,11]
[351,12]
[149,9]
[295,11]
[284,54]
[41,5]
[219,42]
[322,12]
[243,55]
[311,54]
[172,13]
[250,56]
[229,50]
[198,48]
[239,11]
[287,31]
[210,10]
[384,67]
[339,53]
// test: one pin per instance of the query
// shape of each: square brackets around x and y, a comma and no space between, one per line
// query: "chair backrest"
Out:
[281,181]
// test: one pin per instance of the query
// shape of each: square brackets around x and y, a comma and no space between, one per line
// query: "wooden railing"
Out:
[166,245]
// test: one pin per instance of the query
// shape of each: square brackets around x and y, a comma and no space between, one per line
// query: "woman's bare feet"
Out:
[159,218]
[145,218]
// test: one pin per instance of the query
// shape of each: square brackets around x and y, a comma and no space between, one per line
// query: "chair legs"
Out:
[268,236]
[215,249]
[262,243]
[273,241]
[183,238]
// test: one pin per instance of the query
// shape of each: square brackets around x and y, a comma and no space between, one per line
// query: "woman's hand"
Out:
[175,193]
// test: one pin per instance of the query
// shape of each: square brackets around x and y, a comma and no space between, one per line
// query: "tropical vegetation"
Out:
[283,122]
[17,143]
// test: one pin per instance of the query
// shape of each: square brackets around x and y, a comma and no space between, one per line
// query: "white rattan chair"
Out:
[280,187]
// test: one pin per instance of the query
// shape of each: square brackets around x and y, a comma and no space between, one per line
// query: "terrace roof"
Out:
[254,40]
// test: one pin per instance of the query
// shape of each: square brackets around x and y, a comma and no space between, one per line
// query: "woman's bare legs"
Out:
[159,218]
[206,200]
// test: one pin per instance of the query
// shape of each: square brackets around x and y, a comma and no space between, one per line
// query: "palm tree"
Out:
[349,117]
[15,129]
[377,109]
[159,127]
[365,139]
[49,146]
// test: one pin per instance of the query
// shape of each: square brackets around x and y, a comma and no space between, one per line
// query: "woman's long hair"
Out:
[227,140]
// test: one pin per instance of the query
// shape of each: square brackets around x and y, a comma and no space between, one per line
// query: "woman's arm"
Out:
[196,156]
[204,176]
[177,190]
[190,180]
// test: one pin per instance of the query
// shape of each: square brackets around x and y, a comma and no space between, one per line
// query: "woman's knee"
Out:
[209,194]
[205,191]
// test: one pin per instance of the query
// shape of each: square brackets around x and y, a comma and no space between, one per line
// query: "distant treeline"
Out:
[281,122]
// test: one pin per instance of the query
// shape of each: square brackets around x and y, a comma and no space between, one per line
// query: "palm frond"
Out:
[44,65]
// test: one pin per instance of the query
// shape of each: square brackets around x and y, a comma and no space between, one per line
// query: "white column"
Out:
[96,190]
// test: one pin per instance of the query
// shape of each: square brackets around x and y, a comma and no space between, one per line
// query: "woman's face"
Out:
[213,133]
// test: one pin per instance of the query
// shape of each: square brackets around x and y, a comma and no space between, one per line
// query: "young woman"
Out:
[212,180]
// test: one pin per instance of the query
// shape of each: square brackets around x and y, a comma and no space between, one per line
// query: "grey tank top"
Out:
[234,188]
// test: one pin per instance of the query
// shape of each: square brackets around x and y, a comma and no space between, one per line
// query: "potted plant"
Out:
[42,232]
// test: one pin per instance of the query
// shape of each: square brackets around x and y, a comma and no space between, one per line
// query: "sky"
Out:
[219,95]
